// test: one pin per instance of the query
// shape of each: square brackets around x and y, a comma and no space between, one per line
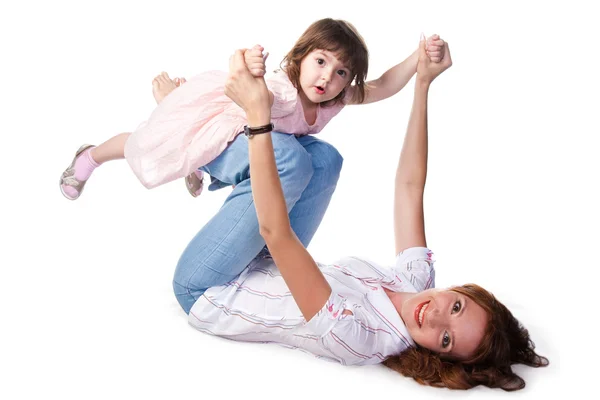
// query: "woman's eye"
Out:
[445,340]
[320,61]
[342,73]
[456,307]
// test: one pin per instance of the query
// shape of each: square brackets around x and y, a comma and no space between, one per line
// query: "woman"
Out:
[354,311]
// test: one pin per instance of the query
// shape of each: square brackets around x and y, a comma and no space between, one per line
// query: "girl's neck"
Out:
[309,108]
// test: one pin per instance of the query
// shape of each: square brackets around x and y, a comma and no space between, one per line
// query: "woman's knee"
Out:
[185,299]
[327,161]
[190,283]
[293,161]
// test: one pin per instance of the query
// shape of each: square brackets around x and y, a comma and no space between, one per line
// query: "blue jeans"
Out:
[309,169]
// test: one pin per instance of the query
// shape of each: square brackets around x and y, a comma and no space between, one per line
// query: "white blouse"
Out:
[258,307]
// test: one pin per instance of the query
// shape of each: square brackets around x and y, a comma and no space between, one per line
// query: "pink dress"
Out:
[196,122]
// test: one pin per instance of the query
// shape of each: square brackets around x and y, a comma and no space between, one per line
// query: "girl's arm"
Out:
[409,224]
[394,79]
[300,272]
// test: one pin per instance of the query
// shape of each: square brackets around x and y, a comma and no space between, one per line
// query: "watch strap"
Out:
[248,131]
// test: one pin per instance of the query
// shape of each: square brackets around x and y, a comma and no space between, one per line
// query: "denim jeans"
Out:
[308,168]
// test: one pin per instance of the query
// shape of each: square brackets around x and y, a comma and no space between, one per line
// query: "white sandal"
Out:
[68,176]
[194,183]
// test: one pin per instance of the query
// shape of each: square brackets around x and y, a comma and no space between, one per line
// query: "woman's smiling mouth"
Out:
[420,313]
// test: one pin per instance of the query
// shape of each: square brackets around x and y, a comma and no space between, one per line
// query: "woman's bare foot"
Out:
[162,85]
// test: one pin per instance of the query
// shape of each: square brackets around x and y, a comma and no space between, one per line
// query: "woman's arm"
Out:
[409,224]
[300,272]
[411,175]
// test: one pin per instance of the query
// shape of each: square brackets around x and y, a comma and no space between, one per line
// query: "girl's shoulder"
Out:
[284,93]
[279,83]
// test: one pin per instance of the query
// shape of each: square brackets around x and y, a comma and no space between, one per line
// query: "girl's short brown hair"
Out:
[342,39]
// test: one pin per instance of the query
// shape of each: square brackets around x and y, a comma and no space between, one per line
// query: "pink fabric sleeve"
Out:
[284,93]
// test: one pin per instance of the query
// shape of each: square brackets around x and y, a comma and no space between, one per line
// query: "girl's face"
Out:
[322,76]
[445,322]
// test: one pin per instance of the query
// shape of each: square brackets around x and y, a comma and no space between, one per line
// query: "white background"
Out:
[511,201]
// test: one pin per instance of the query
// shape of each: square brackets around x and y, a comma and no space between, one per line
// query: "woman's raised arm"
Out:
[300,272]
[409,224]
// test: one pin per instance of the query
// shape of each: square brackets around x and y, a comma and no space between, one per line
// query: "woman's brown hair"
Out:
[342,39]
[505,342]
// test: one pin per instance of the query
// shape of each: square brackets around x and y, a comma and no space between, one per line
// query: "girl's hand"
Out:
[255,60]
[245,89]
[435,48]
[427,70]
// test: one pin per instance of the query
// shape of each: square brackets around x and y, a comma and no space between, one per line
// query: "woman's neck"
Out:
[398,299]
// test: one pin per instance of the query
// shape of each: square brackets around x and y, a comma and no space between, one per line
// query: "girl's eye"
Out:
[445,340]
[320,61]
[457,307]
[341,73]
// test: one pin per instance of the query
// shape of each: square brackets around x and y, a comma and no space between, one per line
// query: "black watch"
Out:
[259,129]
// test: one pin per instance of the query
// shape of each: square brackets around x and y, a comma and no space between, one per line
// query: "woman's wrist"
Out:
[258,118]
[422,83]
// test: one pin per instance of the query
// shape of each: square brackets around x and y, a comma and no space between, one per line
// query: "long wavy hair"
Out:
[505,342]
[342,39]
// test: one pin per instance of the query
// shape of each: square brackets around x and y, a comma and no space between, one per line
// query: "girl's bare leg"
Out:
[112,149]
[89,157]
[86,160]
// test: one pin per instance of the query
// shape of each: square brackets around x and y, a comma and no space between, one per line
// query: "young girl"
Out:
[195,123]
[356,312]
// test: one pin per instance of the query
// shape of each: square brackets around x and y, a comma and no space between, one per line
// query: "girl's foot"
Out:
[73,179]
[162,85]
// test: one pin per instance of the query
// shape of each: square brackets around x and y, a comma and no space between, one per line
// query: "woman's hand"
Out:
[427,70]
[247,91]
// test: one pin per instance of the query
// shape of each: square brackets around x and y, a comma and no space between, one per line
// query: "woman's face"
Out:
[445,322]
